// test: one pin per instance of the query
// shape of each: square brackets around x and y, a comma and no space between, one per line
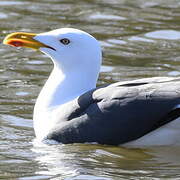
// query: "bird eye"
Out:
[65,41]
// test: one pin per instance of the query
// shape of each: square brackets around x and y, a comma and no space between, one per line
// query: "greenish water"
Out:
[139,39]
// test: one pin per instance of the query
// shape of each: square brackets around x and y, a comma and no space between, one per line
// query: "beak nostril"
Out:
[24,37]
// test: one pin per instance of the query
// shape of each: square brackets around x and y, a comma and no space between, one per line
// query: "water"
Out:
[139,38]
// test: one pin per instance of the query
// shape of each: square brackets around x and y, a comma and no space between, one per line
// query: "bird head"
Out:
[70,49]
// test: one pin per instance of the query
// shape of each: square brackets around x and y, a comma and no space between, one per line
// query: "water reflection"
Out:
[106,162]
[10,3]
[164,34]
[139,39]
[68,160]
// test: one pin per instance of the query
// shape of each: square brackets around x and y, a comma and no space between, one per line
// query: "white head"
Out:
[70,49]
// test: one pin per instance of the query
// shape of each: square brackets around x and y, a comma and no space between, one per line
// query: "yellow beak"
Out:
[22,39]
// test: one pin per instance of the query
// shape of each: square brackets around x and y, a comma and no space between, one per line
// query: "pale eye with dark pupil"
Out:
[65,41]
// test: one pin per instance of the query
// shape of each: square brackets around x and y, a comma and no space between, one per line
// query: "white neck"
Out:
[59,89]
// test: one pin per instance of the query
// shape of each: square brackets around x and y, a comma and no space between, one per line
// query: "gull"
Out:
[71,109]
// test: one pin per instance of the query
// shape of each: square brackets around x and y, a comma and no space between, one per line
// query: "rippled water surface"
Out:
[139,38]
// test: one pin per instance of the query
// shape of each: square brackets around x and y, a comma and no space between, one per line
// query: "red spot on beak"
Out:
[15,43]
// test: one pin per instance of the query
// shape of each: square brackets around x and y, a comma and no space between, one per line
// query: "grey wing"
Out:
[120,113]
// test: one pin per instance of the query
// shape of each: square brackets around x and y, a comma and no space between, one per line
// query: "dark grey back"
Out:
[119,113]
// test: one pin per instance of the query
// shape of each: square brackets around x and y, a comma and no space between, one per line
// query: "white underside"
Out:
[168,134]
